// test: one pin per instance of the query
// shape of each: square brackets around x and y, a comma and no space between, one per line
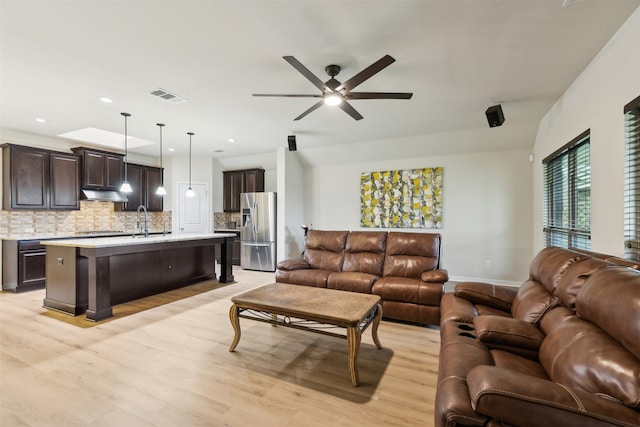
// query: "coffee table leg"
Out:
[235,322]
[353,339]
[374,327]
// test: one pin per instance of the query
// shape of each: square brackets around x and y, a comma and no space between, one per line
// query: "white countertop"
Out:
[66,235]
[128,240]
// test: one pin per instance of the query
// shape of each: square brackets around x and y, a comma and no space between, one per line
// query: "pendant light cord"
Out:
[126,151]
[190,135]
[161,125]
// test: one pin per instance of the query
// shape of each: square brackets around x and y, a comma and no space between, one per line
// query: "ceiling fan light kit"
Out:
[335,93]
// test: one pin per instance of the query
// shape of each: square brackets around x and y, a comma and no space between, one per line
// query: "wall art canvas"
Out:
[410,198]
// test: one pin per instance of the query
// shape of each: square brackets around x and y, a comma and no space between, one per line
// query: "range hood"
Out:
[104,196]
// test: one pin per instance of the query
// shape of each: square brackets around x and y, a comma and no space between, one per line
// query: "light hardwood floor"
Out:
[164,361]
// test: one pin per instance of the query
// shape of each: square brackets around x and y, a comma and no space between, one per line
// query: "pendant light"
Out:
[189,192]
[126,187]
[161,191]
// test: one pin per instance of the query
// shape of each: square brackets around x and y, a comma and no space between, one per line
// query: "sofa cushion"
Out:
[364,252]
[324,249]
[574,278]
[513,362]
[532,301]
[581,356]
[317,278]
[408,290]
[550,264]
[410,254]
[351,281]
[611,299]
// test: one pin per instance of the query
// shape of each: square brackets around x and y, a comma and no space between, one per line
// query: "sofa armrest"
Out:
[435,276]
[496,296]
[507,333]
[293,264]
[506,395]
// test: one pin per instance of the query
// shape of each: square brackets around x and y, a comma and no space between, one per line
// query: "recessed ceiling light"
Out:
[41,120]
[106,100]
[172,149]
[231,140]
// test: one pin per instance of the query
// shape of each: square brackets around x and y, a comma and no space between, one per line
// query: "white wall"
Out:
[595,101]
[290,189]
[487,210]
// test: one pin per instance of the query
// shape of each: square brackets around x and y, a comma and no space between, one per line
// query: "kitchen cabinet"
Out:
[37,179]
[240,181]
[101,170]
[23,265]
[64,183]
[144,182]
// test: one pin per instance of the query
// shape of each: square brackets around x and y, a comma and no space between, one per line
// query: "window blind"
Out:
[567,195]
[632,180]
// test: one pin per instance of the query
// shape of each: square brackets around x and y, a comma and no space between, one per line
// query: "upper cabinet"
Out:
[39,179]
[144,182]
[101,170]
[240,181]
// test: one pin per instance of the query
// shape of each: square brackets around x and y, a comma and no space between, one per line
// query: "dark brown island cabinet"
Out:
[38,179]
[240,181]
[144,181]
[90,275]
[23,265]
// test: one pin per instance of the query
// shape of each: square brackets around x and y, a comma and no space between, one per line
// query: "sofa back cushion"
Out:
[610,298]
[324,249]
[598,349]
[550,264]
[364,252]
[532,302]
[536,296]
[409,254]
[574,278]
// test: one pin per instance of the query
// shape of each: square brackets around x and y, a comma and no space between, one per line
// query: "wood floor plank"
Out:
[164,361]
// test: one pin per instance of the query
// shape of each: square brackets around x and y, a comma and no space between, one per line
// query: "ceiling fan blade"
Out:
[378,95]
[310,109]
[305,72]
[287,95]
[348,108]
[363,75]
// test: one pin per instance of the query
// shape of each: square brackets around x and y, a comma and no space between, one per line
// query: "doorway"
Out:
[192,213]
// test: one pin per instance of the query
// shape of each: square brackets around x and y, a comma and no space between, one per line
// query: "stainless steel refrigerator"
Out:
[258,231]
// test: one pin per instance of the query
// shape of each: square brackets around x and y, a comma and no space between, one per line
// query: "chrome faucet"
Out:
[146,230]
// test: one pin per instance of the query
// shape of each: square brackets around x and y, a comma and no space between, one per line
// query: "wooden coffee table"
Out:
[308,308]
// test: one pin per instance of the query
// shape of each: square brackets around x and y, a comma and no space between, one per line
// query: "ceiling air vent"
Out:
[167,96]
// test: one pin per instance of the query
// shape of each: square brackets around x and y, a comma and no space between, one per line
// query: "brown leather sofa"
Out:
[563,349]
[403,268]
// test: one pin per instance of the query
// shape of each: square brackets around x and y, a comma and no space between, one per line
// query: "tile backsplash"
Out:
[222,220]
[92,216]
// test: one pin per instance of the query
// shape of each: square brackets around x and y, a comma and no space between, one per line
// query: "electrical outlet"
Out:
[487,263]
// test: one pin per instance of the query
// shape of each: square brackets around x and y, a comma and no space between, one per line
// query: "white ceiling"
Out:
[457,57]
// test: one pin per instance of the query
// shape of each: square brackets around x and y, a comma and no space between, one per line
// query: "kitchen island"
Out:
[91,275]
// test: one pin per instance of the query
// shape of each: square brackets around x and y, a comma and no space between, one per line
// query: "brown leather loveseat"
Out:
[563,349]
[403,268]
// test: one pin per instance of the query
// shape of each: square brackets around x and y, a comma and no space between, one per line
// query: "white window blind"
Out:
[632,180]
[567,195]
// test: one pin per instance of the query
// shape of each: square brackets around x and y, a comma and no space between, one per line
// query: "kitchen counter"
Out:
[128,240]
[89,275]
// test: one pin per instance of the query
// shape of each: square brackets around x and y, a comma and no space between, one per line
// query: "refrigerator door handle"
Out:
[255,244]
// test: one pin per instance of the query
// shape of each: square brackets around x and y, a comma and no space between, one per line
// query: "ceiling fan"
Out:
[335,93]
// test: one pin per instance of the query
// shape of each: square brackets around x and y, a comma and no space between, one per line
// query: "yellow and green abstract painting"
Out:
[410,198]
